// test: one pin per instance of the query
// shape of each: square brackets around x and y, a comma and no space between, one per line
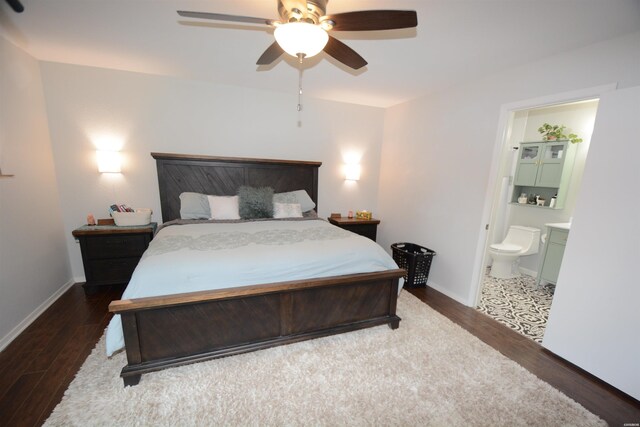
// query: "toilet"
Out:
[520,241]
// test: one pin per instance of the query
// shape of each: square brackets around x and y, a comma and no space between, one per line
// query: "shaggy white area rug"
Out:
[429,372]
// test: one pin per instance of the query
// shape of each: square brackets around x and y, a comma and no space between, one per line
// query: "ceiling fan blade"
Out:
[370,20]
[16,5]
[272,53]
[344,54]
[224,17]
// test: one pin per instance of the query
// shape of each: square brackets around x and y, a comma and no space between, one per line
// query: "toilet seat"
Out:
[506,248]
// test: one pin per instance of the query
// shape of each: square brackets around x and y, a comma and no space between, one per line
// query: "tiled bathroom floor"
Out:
[518,303]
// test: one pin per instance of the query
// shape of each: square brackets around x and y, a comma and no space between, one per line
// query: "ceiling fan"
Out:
[302,30]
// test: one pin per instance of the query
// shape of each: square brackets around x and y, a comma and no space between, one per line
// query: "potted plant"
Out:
[556,132]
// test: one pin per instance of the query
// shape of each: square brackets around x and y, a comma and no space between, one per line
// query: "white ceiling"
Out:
[455,40]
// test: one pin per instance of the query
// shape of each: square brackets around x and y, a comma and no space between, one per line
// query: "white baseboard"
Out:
[6,340]
[447,292]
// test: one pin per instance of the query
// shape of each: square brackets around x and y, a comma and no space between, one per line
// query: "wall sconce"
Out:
[109,161]
[352,172]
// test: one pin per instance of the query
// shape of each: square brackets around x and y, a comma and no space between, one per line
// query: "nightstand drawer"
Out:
[116,246]
[111,253]
[364,227]
[109,271]
[366,230]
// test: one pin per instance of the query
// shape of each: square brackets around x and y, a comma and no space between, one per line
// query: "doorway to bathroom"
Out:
[539,175]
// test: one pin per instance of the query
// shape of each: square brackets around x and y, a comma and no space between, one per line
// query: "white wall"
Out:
[150,113]
[34,266]
[594,317]
[579,118]
[438,150]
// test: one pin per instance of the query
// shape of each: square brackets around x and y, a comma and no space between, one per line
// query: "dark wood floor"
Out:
[37,367]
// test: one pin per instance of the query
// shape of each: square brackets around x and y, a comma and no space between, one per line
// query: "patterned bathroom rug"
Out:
[518,303]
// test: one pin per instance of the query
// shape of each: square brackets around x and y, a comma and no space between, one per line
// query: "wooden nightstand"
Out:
[364,227]
[111,253]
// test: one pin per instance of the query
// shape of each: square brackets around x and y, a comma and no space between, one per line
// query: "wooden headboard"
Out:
[223,176]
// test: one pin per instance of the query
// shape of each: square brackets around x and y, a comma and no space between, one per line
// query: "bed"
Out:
[174,329]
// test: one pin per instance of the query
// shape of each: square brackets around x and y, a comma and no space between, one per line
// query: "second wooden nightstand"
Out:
[111,253]
[364,227]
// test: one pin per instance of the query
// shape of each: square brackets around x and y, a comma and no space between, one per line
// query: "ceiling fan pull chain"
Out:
[300,89]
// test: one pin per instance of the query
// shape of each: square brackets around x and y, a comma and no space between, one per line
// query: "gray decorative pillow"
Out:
[285,198]
[310,214]
[255,202]
[287,210]
[298,196]
[194,206]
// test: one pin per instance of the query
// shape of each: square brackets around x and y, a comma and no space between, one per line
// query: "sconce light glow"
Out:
[352,172]
[109,161]
[107,141]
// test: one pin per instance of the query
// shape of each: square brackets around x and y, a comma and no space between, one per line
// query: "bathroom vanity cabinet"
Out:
[544,168]
[553,252]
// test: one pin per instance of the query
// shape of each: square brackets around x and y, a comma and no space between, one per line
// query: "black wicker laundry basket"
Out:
[416,260]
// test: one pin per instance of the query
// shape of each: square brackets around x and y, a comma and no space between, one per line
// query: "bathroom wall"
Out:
[578,118]
[500,223]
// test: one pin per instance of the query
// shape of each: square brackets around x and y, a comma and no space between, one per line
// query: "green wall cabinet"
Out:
[544,168]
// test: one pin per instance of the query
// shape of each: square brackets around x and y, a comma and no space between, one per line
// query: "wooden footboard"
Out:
[166,331]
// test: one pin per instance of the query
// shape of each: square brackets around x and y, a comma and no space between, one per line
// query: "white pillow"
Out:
[224,207]
[287,210]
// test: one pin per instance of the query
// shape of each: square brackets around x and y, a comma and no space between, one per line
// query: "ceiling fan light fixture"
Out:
[297,38]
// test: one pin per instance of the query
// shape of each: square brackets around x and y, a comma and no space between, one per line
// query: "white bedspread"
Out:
[196,257]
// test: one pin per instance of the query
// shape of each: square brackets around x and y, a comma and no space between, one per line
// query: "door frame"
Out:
[492,192]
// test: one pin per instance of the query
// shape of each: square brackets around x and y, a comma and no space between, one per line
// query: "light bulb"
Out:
[297,38]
